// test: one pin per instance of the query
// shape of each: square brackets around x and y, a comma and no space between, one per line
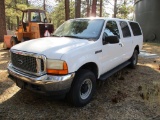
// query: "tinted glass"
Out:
[82,28]
[125,29]
[35,17]
[111,29]
[135,28]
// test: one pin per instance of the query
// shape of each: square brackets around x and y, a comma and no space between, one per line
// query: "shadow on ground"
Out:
[119,98]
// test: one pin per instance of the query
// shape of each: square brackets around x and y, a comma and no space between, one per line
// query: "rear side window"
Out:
[135,28]
[125,29]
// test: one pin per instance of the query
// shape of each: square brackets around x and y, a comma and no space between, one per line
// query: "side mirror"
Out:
[110,39]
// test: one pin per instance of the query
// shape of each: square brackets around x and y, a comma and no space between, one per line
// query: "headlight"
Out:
[57,67]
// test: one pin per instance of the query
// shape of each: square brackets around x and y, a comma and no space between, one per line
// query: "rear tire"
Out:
[13,41]
[83,88]
[134,59]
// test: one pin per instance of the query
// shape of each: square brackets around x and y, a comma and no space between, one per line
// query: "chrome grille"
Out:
[24,62]
[28,62]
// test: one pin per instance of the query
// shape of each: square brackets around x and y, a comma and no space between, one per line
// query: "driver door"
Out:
[112,52]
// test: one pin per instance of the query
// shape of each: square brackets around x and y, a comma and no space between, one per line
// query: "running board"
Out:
[114,70]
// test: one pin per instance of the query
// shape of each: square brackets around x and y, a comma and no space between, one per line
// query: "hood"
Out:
[51,47]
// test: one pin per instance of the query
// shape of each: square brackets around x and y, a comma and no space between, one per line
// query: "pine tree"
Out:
[67,10]
[2,20]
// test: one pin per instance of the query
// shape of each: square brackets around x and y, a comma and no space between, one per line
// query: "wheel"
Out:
[13,41]
[83,88]
[134,59]
[25,39]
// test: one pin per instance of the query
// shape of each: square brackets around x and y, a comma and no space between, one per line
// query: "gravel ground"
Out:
[130,94]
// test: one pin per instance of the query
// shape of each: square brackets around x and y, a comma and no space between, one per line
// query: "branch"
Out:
[9,6]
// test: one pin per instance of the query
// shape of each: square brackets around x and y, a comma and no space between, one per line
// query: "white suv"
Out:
[81,52]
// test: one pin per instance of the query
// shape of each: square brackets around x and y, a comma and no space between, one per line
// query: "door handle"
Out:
[121,44]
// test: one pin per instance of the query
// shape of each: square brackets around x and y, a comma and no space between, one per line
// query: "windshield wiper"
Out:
[72,36]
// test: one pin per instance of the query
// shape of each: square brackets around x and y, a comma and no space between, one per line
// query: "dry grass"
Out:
[1,45]
[152,47]
[127,95]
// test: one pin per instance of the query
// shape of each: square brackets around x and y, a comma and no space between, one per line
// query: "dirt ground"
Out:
[130,94]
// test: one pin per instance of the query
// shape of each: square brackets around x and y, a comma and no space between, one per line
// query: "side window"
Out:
[135,28]
[25,17]
[111,29]
[43,17]
[125,29]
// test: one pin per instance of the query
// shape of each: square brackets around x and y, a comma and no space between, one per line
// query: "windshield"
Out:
[38,17]
[80,28]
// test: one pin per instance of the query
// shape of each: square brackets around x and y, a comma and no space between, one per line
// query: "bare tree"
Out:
[101,1]
[44,4]
[77,8]
[94,3]
[115,8]
[27,2]
[2,20]
[67,10]
[88,8]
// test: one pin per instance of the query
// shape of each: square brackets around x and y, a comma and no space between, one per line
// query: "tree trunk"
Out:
[101,1]
[67,10]
[115,8]
[77,8]
[88,8]
[27,3]
[44,4]
[94,3]
[2,20]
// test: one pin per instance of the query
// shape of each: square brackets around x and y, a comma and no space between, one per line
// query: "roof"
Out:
[105,18]
[32,10]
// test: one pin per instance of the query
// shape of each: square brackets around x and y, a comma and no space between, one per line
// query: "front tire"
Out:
[13,41]
[83,88]
[134,59]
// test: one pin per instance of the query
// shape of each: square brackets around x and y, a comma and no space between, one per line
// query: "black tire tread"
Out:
[132,65]
[72,95]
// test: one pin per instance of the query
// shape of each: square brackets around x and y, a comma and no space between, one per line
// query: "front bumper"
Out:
[42,84]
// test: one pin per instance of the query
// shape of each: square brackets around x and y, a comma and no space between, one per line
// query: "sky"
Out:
[51,3]
[40,2]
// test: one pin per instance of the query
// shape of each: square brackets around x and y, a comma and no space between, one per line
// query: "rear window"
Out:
[125,29]
[135,28]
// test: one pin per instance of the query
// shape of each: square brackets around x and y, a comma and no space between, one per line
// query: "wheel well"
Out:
[137,48]
[90,66]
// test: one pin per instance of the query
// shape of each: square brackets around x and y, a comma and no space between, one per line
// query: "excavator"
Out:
[34,25]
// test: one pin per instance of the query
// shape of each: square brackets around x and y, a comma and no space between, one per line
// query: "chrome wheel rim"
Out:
[86,89]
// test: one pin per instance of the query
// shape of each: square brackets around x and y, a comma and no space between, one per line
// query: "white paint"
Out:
[77,52]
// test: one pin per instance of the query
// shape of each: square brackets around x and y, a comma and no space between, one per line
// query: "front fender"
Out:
[74,62]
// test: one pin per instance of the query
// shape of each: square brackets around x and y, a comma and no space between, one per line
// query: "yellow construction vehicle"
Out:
[34,24]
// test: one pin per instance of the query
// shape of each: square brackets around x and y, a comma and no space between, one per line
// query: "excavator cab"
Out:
[34,24]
